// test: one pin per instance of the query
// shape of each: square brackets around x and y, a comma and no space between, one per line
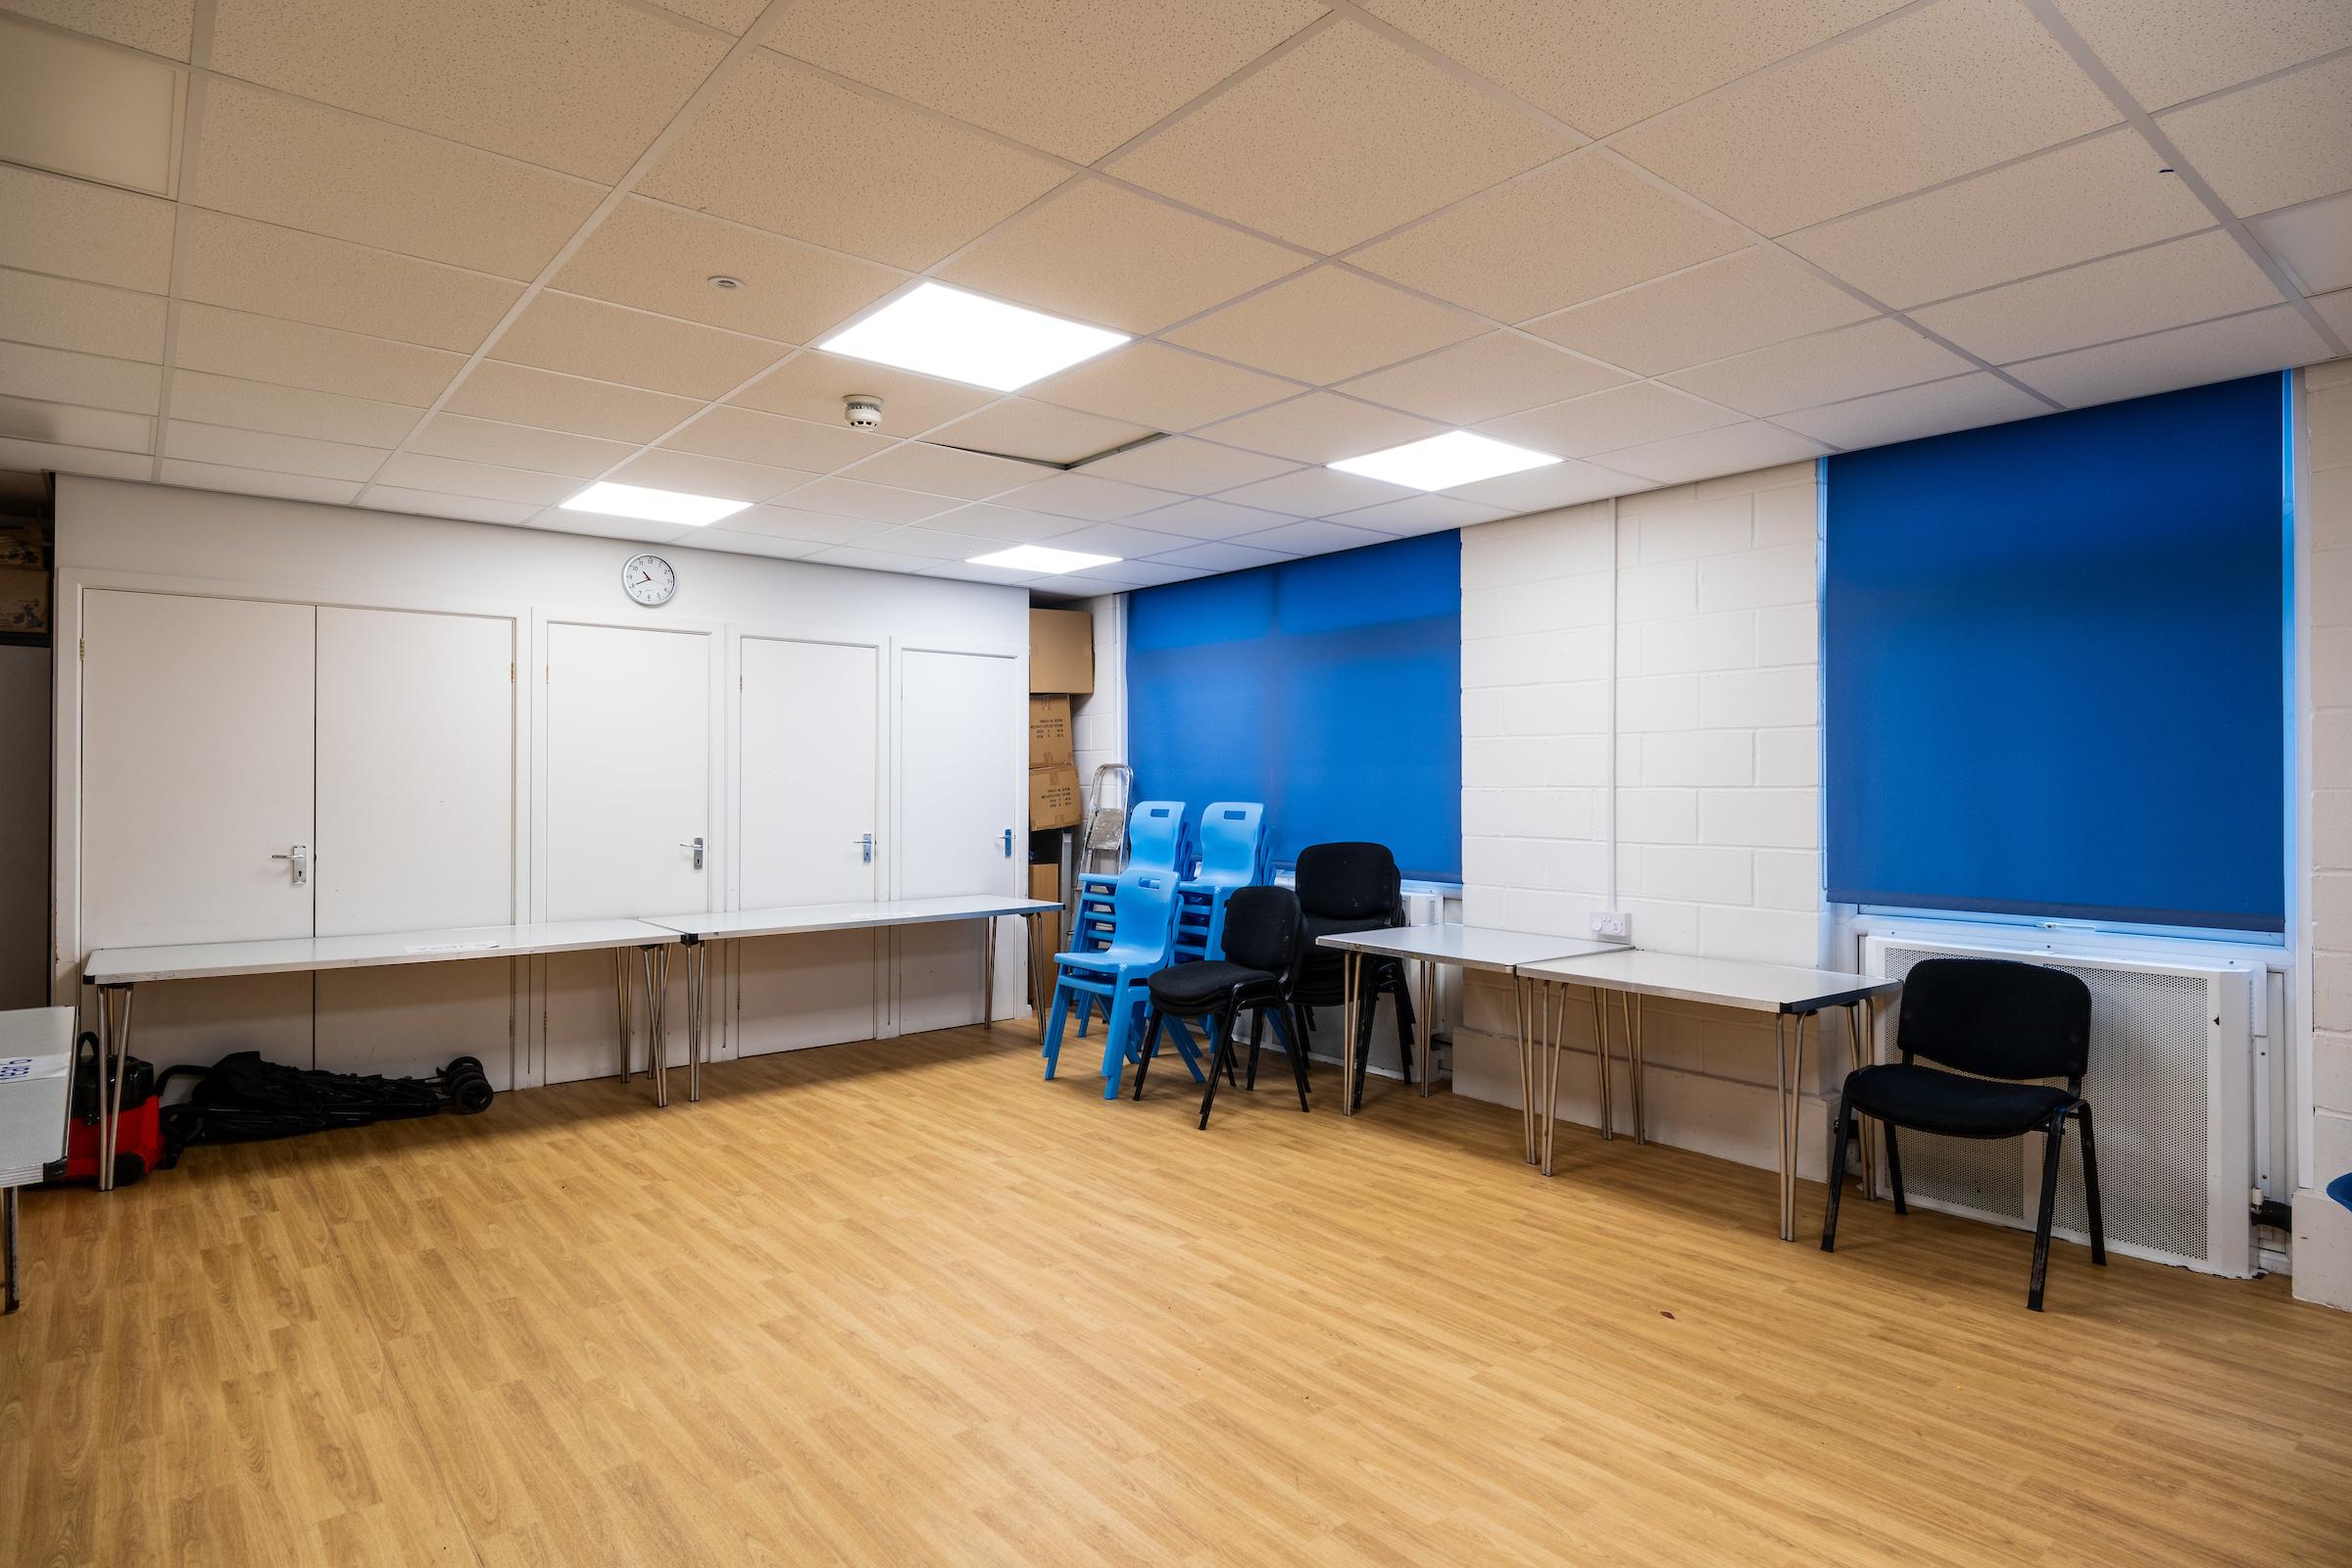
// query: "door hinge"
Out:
[82,648]
[509,672]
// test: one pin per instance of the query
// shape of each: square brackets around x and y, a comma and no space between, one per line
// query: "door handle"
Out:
[1008,843]
[299,857]
[865,845]
[697,848]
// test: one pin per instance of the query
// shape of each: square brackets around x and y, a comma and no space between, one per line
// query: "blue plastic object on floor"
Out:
[1114,977]
[2341,1188]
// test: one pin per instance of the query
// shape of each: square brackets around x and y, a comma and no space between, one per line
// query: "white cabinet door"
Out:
[963,754]
[628,770]
[808,802]
[196,768]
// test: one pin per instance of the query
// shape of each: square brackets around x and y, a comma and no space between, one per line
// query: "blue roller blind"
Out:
[1330,687]
[2056,665]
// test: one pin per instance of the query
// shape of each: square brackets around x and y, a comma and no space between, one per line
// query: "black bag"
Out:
[242,1099]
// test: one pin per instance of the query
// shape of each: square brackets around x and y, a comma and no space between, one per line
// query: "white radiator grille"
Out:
[2171,1066]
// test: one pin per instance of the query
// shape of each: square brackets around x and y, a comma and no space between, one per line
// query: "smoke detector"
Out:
[863,410]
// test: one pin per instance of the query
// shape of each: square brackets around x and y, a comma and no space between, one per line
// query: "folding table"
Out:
[37,1066]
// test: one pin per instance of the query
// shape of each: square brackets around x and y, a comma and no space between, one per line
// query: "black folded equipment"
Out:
[242,1099]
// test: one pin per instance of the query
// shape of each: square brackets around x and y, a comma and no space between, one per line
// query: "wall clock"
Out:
[648,579]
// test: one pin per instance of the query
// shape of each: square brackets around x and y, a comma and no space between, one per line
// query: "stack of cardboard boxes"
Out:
[1061,664]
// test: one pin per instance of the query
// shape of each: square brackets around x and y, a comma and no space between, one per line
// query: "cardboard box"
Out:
[1045,881]
[24,601]
[1050,732]
[1061,650]
[1052,796]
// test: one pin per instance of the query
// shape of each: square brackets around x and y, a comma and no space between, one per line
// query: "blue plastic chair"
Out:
[1233,854]
[1157,841]
[1115,978]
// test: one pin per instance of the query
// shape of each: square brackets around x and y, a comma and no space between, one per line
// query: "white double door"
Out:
[253,769]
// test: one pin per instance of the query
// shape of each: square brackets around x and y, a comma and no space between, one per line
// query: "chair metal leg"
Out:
[1151,1048]
[1405,1028]
[1299,1053]
[1223,1059]
[2052,1137]
[1257,1030]
[2091,1189]
[1894,1166]
[1840,1141]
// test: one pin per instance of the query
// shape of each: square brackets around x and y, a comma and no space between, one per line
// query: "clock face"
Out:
[648,579]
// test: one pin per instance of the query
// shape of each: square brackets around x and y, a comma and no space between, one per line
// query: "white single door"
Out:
[196,769]
[962,754]
[809,806]
[416,830]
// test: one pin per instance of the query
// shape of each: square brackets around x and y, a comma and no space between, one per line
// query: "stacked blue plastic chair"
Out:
[1116,977]
[1234,853]
[1158,838]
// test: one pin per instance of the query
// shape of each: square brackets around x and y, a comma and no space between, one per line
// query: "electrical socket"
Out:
[1613,925]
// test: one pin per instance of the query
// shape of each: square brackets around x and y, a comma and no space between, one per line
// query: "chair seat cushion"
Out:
[1196,987]
[1931,1101]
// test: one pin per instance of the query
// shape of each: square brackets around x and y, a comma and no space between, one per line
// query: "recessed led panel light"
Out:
[1038,559]
[653,506]
[1442,461]
[945,332]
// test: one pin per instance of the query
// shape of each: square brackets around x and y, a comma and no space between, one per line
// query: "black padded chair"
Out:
[2004,1022]
[1265,938]
[1354,887]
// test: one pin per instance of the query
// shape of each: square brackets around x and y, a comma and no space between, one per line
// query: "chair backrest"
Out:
[1348,881]
[1154,835]
[1264,930]
[1143,908]
[1231,833]
[1997,1018]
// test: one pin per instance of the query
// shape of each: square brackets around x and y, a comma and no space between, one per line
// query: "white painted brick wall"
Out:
[1718,740]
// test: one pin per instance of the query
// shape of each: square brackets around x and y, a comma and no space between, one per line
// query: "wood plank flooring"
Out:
[905,1304]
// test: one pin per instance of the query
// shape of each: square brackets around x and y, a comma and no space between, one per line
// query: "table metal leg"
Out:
[697,962]
[657,1049]
[114,1048]
[1555,1032]
[1425,1029]
[1865,1051]
[1350,978]
[1600,1050]
[8,1291]
[1629,1003]
[620,1008]
[1792,1068]
[1521,989]
[988,973]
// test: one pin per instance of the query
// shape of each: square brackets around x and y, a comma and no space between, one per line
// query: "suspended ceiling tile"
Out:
[2164,51]
[1907,413]
[1006,525]
[1076,78]
[2089,199]
[126,386]
[1313,492]
[696,474]
[1426,514]
[1750,299]
[68,425]
[1483,378]
[748,436]
[1736,448]
[303,166]
[288,411]
[2313,242]
[517,445]
[811,386]
[663,258]
[874,502]
[1558,485]
[431,504]
[414,470]
[520,394]
[256,482]
[89,109]
[774,546]
[267,270]
[578,85]
[278,454]
[2271,145]
[1622,416]
[1118,575]
[1313,538]
[76,229]
[1081,495]
[1188,466]
[609,343]
[728,16]
[1322,427]
[788,151]
[1938,93]
[2172,284]
[1164,388]
[815,529]
[260,348]
[1198,518]
[1326,325]
[2336,310]
[632,531]
[1509,254]
[1099,253]
[863,558]
[1223,556]
[1339,139]
[966,572]
[2189,356]
[159,26]
[1602,65]
[1848,363]
[1022,427]
[1121,539]
[945,472]
[59,313]
[931,543]
[31,457]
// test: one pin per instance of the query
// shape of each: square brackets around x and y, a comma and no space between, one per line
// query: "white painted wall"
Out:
[115,534]
[1099,718]
[1670,641]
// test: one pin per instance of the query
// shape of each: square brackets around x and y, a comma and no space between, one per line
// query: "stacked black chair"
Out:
[1265,939]
[2005,1023]
[1354,887]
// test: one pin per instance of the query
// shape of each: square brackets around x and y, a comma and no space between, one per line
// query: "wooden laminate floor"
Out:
[905,1304]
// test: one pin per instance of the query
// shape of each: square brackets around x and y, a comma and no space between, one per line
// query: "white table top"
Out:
[791,918]
[1464,947]
[36,1048]
[195,961]
[1724,982]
